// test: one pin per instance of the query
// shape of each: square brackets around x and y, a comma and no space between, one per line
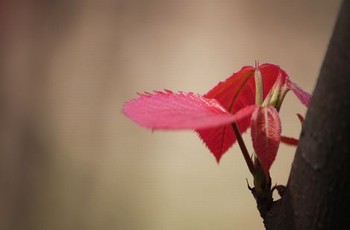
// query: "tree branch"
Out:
[318,190]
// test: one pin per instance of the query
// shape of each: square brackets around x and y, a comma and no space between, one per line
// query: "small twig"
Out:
[243,148]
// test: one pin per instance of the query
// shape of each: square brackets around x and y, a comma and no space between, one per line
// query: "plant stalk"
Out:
[243,148]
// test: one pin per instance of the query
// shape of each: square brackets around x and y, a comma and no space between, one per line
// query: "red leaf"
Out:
[218,140]
[233,94]
[168,110]
[266,134]
[226,92]
[289,140]
[238,90]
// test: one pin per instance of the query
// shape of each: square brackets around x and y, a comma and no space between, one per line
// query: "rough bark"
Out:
[317,194]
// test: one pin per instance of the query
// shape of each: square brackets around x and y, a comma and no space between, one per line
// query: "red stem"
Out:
[243,148]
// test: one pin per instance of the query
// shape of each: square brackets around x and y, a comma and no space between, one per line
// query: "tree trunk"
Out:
[318,191]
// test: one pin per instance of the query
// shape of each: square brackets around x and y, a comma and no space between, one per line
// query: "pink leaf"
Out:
[168,110]
[302,95]
[266,134]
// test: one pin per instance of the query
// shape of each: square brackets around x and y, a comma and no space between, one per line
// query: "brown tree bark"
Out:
[318,191]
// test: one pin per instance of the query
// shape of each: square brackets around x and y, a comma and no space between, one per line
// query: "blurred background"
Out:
[69,159]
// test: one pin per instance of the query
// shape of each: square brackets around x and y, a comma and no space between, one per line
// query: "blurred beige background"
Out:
[69,159]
